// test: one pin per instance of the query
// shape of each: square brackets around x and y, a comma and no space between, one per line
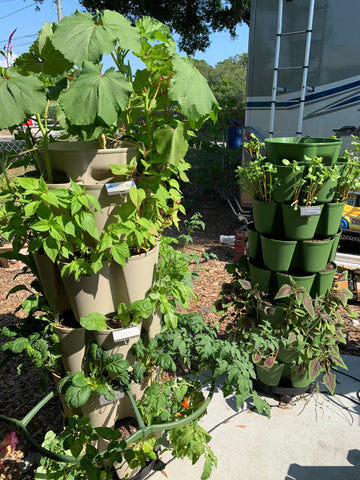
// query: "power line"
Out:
[21,36]
[16,11]
[22,44]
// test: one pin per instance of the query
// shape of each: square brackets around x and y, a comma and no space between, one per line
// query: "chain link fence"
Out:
[10,145]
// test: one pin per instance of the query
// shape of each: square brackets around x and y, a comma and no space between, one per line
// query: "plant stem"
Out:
[147,120]
[46,145]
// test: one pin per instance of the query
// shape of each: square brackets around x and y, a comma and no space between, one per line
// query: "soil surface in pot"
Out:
[127,427]
[219,220]
[318,240]
[329,267]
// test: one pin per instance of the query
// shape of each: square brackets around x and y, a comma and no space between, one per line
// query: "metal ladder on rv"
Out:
[304,68]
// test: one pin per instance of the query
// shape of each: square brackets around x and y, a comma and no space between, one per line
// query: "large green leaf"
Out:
[105,96]
[77,396]
[171,143]
[137,196]
[20,97]
[154,30]
[190,89]
[42,56]
[87,222]
[94,321]
[83,37]
[120,252]
[120,27]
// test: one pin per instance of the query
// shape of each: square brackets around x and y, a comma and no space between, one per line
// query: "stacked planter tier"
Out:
[274,259]
[111,285]
[299,243]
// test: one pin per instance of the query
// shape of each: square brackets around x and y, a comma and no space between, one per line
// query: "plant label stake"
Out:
[103,401]
[125,333]
[308,211]
[119,187]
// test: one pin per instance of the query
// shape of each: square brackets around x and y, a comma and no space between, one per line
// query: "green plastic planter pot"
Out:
[254,246]
[285,182]
[260,276]
[287,355]
[305,281]
[315,254]
[330,218]
[266,216]
[300,377]
[335,245]
[324,280]
[326,192]
[296,261]
[295,148]
[274,315]
[297,226]
[277,254]
[270,376]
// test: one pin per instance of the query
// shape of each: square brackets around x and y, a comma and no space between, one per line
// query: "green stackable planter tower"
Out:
[300,243]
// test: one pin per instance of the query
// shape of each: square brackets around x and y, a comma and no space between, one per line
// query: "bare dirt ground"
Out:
[20,393]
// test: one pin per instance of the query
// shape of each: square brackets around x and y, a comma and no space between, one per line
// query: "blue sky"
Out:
[21,14]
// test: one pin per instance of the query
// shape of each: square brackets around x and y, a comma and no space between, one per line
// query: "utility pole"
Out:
[59,12]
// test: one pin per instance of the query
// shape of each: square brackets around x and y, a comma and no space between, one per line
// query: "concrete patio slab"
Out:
[316,437]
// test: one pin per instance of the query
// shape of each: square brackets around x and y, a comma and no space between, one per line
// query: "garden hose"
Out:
[354,378]
[143,432]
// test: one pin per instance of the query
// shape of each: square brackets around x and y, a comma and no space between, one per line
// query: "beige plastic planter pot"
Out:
[65,410]
[133,281]
[152,325]
[119,340]
[123,470]
[72,346]
[109,203]
[91,293]
[85,163]
[101,412]
[104,413]
[51,282]
[11,264]
[124,407]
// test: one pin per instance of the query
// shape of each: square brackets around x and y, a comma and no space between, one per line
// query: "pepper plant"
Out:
[350,176]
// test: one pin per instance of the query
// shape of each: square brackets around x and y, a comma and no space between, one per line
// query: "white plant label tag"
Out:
[124,333]
[119,394]
[119,187]
[306,211]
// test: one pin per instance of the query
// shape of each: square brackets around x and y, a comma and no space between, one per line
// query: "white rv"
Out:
[304,69]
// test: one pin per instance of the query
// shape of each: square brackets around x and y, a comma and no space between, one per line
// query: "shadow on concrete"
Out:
[298,472]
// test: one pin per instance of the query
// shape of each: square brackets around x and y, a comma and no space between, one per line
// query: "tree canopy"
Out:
[227,79]
[192,20]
